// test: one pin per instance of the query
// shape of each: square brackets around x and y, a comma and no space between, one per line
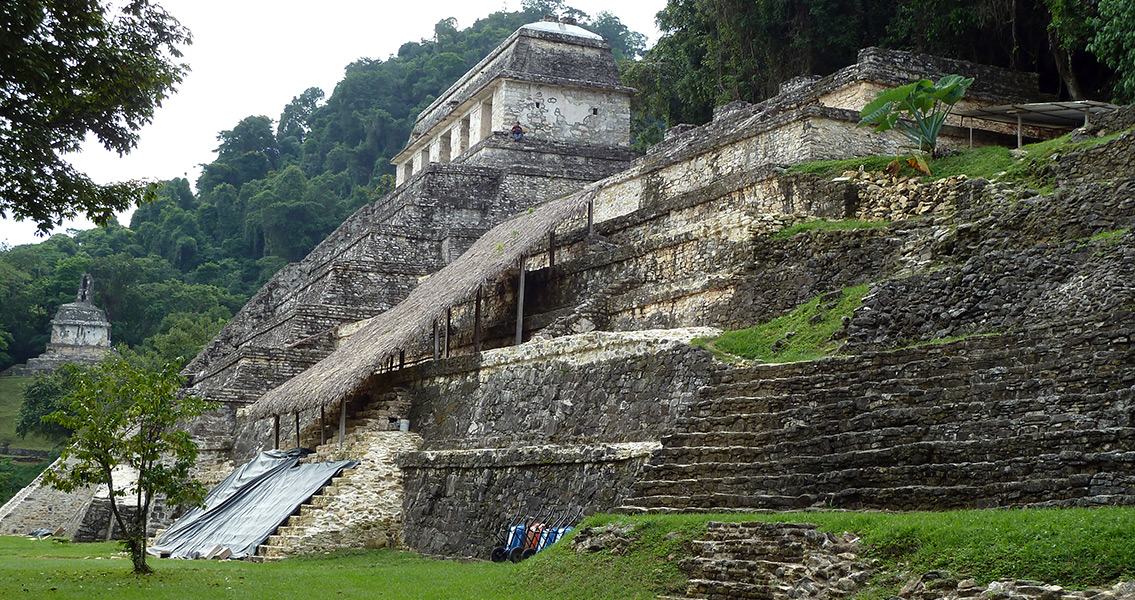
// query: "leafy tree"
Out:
[46,394]
[70,69]
[123,416]
[183,336]
[1114,43]
[625,44]
[293,121]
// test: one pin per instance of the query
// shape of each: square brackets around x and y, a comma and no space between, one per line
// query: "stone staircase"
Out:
[1004,420]
[362,506]
[773,561]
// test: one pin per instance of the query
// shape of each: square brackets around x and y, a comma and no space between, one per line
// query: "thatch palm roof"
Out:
[332,379]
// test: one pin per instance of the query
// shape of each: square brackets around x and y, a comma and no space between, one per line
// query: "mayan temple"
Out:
[520,325]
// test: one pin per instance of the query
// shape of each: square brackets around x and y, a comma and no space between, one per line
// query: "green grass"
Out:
[1109,237]
[990,162]
[811,334]
[834,168]
[821,225]
[1075,548]
[11,397]
[979,162]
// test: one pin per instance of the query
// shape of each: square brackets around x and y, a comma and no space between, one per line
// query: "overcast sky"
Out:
[250,57]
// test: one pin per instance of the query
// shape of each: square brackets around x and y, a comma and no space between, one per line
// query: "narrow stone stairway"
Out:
[773,561]
[362,507]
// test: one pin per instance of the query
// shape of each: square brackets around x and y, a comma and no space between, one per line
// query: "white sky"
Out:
[250,57]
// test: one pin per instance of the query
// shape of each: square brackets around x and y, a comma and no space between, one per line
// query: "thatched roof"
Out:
[330,380]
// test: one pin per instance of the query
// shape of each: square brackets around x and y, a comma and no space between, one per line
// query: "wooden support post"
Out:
[520,305]
[342,421]
[1087,112]
[297,429]
[448,328]
[477,323]
[322,427]
[590,217]
[551,248]
[1018,131]
[276,428]
[401,359]
[437,345]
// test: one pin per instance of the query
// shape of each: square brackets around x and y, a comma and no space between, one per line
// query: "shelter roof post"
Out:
[477,323]
[342,421]
[520,305]
[436,341]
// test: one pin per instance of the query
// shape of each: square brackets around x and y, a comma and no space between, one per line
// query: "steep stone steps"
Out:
[361,505]
[1113,472]
[811,434]
[742,460]
[1050,492]
[1068,477]
[945,413]
[282,542]
[851,380]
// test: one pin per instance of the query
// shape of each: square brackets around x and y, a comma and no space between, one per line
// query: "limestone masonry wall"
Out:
[563,423]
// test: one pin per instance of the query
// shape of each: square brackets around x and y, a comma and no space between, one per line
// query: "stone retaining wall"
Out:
[457,502]
[553,424]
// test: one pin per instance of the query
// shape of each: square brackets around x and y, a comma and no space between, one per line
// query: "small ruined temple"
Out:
[80,333]
[510,329]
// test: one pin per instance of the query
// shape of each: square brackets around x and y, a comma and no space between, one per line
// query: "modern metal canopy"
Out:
[1049,115]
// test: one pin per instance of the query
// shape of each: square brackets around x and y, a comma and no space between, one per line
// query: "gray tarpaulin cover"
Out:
[246,508]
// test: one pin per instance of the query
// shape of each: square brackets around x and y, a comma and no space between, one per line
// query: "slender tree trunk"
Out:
[1064,66]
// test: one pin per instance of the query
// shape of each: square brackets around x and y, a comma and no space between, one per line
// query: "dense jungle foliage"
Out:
[191,258]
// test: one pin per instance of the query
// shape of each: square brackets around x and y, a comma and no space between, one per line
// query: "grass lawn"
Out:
[1074,548]
[11,397]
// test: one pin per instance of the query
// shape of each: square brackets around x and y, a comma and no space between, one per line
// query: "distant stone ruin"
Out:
[80,334]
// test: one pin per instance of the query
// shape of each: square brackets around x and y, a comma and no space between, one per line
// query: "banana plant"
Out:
[917,110]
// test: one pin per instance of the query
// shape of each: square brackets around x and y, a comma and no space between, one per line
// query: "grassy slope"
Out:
[11,390]
[1074,548]
[990,162]
[811,325]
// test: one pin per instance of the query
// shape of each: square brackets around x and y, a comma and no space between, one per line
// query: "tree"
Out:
[293,121]
[123,416]
[46,394]
[71,69]
[1114,44]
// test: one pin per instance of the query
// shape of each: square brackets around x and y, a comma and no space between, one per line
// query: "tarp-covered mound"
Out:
[246,508]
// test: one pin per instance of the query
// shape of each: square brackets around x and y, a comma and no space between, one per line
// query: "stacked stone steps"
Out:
[770,561]
[942,471]
[380,414]
[850,376]
[890,429]
[991,422]
[279,544]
